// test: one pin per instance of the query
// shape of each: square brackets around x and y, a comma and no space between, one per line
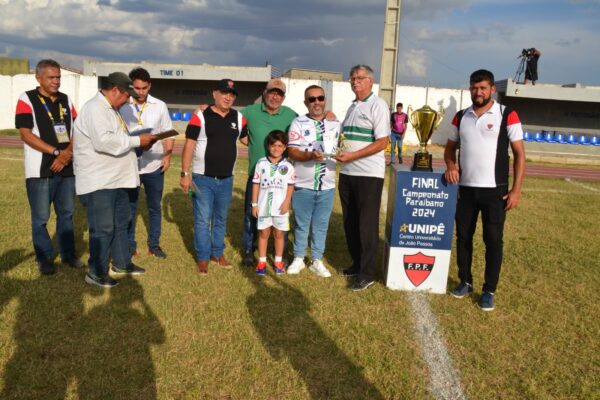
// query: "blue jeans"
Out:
[154,183]
[250,231]
[211,203]
[396,139]
[108,213]
[249,235]
[59,191]
[312,209]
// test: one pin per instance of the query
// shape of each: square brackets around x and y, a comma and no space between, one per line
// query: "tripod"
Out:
[521,68]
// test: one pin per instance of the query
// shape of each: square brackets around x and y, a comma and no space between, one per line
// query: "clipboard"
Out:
[166,134]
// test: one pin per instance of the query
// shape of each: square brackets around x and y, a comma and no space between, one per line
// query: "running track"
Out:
[532,169]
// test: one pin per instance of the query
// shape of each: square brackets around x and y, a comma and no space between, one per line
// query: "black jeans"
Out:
[472,200]
[361,199]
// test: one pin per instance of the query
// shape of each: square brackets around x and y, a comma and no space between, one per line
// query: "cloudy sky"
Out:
[441,41]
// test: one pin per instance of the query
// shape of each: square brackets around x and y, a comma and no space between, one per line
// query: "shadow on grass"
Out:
[281,316]
[58,348]
[118,336]
[177,208]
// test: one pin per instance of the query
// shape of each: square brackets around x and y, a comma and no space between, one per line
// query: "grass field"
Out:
[172,334]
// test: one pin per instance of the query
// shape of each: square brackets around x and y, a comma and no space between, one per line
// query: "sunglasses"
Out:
[312,99]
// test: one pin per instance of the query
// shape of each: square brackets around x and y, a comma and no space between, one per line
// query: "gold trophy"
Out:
[425,120]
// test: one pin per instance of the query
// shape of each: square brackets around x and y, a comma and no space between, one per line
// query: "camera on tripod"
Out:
[527,53]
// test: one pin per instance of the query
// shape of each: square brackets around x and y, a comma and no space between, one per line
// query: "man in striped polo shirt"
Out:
[366,133]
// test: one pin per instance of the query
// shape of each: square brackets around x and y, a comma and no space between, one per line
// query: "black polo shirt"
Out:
[217,156]
[32,114]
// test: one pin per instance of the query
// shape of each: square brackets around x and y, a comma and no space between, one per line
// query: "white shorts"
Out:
[281,223]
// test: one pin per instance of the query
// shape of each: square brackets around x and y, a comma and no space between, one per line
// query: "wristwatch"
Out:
[184,174]
[56,152]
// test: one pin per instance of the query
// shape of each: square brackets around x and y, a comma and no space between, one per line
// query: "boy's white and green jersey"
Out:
[365,122]
[273,180]
[306,134]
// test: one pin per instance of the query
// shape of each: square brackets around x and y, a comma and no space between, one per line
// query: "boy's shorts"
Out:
[281,223]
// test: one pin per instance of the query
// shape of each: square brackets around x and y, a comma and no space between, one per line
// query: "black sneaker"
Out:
[131,269]
[350,272]
[156,252]
[73,262]
[249,259]
[361,284]
[46,267]
[105,281]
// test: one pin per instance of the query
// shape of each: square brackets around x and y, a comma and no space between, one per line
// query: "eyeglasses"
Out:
[357,78]
[312,99]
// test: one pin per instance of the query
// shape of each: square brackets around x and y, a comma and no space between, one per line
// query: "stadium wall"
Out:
[82,88]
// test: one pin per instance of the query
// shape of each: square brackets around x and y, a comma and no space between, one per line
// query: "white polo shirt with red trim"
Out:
[483,158]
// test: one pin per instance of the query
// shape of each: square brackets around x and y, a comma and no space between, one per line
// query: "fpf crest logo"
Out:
[418,267]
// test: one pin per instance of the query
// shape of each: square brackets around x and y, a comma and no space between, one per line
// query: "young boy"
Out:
[272,189]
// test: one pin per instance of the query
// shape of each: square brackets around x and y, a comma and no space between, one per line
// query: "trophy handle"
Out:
[411,117]
[439,117]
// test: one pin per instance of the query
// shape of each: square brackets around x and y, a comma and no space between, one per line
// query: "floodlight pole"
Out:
[389,52]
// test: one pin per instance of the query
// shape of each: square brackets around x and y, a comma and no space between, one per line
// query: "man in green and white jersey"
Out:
[313,143]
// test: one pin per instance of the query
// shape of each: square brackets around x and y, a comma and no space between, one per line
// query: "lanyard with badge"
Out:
[60,128]
[138,151]
[119,117]
[139,110]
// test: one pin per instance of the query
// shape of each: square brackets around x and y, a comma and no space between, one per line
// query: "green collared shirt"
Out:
[260,123]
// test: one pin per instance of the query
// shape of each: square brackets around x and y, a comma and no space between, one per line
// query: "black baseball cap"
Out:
[226,86]
[122,81]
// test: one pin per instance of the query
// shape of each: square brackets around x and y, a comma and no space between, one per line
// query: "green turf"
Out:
[173,334]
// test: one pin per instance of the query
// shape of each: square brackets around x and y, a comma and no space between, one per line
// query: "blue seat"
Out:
[595,141]
[583,140]
[527,136]
[560,138]
[538,137]
[571,139]
[549,137]
[186,116]
[175,116]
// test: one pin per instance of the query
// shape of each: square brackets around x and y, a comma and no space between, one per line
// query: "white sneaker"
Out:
[296,266]
[319,269]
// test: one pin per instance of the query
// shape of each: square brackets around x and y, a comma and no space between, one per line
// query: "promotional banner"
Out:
[419,230]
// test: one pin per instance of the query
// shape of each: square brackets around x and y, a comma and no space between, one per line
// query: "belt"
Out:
[218,177]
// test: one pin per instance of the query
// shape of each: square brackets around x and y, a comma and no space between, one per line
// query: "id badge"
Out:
[62,135]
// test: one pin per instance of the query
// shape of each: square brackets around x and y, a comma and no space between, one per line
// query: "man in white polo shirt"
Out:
[484,131]
[106,168]
[366,134]
[311,137]
[149,112]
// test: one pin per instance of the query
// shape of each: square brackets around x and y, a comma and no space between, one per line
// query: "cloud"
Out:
[567,43]
[414,64]
[441,40]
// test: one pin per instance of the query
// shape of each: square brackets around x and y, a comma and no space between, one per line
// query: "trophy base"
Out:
[422,162]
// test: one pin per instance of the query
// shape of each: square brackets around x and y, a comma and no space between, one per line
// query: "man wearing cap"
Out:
[142,113]
[44,118]
[106,169]
[262,118]
[210,140]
